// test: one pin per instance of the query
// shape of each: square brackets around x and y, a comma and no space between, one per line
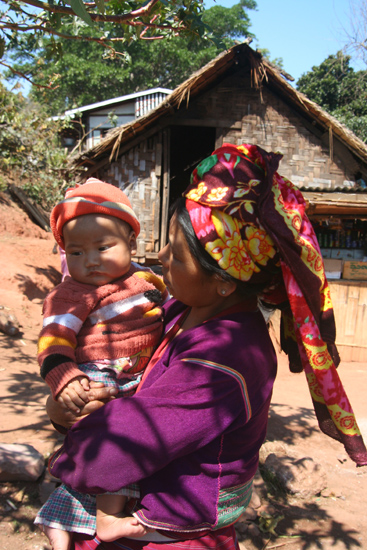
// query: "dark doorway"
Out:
[188,146]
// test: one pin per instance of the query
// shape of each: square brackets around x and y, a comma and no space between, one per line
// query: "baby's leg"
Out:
[59,540]
[112,523]
[67,511]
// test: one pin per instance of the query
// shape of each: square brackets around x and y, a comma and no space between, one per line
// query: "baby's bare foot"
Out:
[135,529]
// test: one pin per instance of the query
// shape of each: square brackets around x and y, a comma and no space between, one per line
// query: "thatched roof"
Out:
[263,73]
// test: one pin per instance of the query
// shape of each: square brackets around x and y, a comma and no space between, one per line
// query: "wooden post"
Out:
[165,187]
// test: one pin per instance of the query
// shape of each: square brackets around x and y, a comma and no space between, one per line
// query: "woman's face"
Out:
[182,274]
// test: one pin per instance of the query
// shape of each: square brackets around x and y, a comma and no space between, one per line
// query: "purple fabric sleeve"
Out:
[185,409]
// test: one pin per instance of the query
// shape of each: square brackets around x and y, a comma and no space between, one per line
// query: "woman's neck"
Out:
[198,315]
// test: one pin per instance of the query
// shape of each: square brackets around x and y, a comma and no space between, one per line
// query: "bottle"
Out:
[337,239]
[348,239]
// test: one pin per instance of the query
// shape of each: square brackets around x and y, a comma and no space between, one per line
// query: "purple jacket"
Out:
[191,436]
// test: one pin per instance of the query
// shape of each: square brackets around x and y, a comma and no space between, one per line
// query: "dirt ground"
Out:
[336,519]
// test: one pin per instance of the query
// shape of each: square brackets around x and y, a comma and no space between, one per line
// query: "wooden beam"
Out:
[336,210]
[208,122]
[165,187]
[32,208]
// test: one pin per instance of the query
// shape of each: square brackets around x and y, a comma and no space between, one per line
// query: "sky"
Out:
[301,32]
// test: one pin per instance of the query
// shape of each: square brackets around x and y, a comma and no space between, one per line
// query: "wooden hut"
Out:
[239,97]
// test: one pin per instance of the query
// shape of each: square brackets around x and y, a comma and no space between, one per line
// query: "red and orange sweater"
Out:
[84,323]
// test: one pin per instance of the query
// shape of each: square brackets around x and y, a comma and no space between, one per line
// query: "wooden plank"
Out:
[32,208]
[351,317]
[339,295]
[165,187]
[363,296]
[156,177]
[345,353]
[208,122]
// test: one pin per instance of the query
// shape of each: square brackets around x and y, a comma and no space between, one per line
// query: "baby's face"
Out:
[98,248]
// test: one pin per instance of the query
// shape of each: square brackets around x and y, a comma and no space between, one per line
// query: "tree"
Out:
[340,90]
[145,64]
[24,24]
[30,151]
[356,31]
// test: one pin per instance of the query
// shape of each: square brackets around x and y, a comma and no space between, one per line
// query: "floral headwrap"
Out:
[252,221]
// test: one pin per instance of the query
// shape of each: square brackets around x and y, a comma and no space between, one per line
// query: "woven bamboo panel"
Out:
[268,121]
[137,173]
[350,308]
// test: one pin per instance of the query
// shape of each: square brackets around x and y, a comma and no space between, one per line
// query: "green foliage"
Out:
[83,74]
[277,61]
[340,90]
[30,152]
[29,26]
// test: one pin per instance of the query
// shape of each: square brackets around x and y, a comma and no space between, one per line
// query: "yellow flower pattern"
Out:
[217,194]
[230,250]
[196,194]
[239,256]
[260,244]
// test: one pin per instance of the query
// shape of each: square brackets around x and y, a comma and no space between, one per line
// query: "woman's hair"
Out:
[205,261]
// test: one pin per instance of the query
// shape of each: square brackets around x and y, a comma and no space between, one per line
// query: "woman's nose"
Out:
[162,254]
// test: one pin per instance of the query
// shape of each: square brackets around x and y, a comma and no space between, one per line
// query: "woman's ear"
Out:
[225,288]
[132,243]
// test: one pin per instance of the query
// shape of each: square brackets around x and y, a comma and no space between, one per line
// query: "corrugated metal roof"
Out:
[115,100]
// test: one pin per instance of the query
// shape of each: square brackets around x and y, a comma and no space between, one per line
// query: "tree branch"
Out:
[19,73]
[98,17]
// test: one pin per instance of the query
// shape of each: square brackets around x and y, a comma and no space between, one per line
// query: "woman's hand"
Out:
[98,395]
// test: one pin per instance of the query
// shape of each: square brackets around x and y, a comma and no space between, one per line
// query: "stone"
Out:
[241,527]
[250,514]
[255,501]
[253,530]
[295,474]
[20,462]
[9,324]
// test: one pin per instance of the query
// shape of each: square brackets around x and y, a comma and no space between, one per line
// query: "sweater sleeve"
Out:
[64,311]
[184,409]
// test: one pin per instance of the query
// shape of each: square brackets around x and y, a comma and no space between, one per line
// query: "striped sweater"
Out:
[83,323]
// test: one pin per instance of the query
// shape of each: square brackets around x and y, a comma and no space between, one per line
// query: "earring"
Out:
[223,292]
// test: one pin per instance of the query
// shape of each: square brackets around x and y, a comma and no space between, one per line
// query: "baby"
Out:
[101,323]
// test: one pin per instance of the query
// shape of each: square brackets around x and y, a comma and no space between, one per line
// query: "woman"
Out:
[190,436]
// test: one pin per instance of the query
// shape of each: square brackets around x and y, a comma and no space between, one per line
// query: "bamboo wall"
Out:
[138,174]
[350,307]
[265,119]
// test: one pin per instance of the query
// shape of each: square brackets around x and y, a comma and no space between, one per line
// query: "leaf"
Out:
[79,8]
[100,5]
[233,210]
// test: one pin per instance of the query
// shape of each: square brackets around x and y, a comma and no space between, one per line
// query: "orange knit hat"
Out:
[94,197]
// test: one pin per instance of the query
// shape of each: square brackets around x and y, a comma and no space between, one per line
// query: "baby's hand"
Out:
[74,395]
